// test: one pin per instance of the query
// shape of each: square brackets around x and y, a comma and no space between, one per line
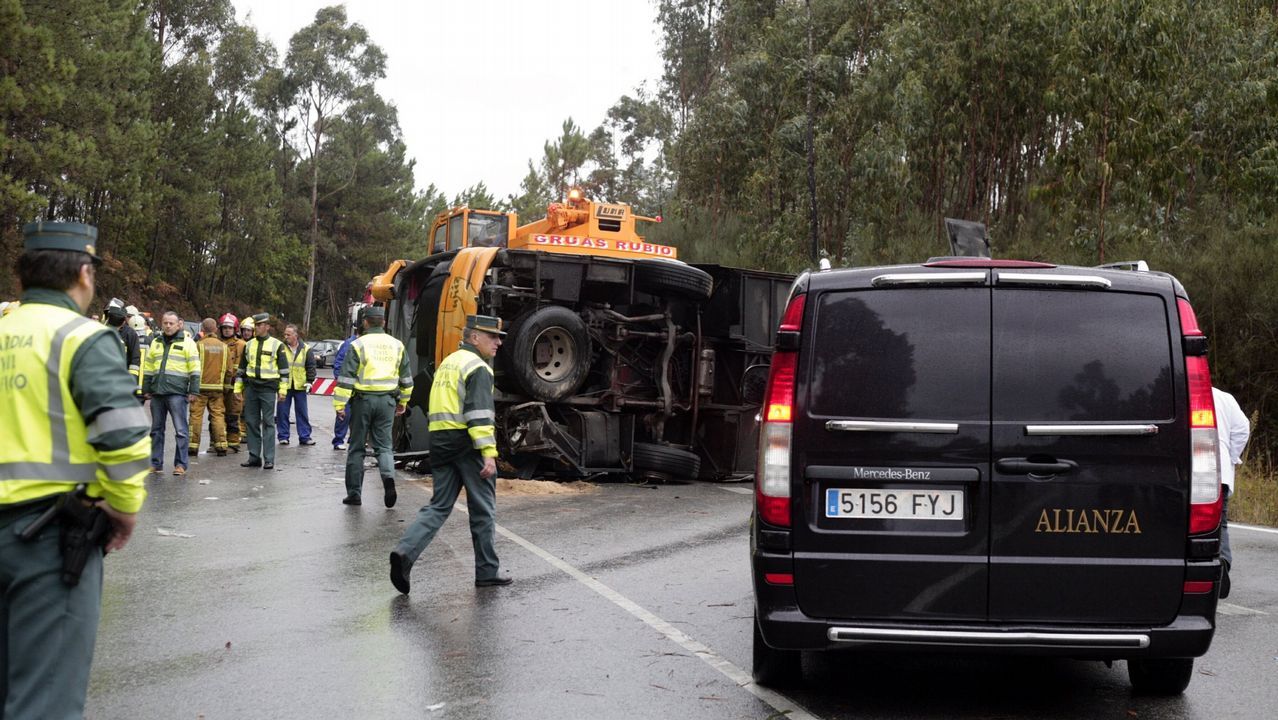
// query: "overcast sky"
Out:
[482,84]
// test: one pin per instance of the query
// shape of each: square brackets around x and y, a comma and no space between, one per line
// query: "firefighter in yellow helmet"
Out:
[72,468]
[229,328]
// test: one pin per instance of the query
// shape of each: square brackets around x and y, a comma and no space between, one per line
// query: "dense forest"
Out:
[1081,132]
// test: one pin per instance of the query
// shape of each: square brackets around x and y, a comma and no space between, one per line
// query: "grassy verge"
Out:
[1255,499]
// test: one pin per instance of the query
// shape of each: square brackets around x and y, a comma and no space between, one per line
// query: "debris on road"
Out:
[170,532]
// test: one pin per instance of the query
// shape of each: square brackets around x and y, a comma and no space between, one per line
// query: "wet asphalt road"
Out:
[629,602]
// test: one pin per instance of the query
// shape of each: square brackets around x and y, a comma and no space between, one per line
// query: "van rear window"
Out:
[1081,356]
[919,353]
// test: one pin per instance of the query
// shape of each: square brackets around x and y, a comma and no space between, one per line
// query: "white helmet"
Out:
[130,310]
[138,323]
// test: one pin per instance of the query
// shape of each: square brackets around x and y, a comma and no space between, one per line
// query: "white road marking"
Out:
[1256,528]
[736,489]
[779,702]
[1224,608]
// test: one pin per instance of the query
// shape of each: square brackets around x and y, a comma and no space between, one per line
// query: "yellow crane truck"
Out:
[619,358]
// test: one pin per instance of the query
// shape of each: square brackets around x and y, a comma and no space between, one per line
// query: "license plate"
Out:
[882,504]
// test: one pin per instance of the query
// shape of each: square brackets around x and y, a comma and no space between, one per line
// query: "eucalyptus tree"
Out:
[329,64]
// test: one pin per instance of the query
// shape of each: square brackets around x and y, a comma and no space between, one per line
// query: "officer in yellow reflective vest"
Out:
[67,406]
[262,377]
[301,373]
[213,364]
[376,382]
[463,451]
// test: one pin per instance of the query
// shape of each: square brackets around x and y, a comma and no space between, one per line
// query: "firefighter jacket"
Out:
[264,365]
[234,351]
[461,410]
[64,384]
[171,366]
[213,362]
[376,364]
[301,366]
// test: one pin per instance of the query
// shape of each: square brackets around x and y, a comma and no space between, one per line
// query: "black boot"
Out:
[399,569]
[389,485]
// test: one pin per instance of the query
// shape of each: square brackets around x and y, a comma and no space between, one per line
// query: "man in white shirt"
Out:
[1232,431]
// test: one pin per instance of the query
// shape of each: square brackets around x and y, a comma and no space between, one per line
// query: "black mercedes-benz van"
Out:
[977,454]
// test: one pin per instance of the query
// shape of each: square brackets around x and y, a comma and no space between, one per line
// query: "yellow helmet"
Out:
[247,323]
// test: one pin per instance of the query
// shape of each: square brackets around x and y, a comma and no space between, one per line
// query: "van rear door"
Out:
[1089,498]
[891,449]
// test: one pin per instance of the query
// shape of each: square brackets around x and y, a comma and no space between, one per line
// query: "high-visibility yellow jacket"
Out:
[171,366]
[301,366]
[461,400]
[264,362]
[68,402]
[213,360]
[375,364]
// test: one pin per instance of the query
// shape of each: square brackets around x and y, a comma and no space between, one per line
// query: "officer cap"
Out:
[485,323]
[375,311]
[261,318]
[72,237]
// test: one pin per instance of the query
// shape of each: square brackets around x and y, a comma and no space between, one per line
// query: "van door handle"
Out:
[1034,468]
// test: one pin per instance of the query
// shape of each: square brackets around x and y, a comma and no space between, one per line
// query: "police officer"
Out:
[263,375]
[234,404]
[374,374]
[63,381]
[341,425]
[463,451]
[115,317]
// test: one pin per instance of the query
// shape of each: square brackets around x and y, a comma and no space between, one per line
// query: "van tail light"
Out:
[772,471]
[1204,485]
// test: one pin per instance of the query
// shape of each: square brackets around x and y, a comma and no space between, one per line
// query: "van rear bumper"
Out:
[1187,636]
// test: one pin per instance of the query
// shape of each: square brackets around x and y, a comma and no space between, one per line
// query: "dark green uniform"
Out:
[461,436]
[262,377]
[375,377]
[89,430]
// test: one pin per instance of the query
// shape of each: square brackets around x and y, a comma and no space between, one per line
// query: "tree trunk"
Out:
[310,278]
[814,248]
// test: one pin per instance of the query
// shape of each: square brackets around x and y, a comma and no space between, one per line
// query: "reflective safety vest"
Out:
[46,449]
[448,400]
[213,359]
[171,368]
[297,365]
[380,356]
[262,365]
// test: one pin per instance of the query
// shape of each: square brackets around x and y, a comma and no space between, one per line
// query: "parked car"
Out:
[983,455]
[324,351]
